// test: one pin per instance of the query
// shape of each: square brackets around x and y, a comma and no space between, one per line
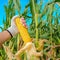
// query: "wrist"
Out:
[12,30]
[9,33]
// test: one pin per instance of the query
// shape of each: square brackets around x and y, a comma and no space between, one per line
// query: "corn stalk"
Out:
[50,20]
[34,16]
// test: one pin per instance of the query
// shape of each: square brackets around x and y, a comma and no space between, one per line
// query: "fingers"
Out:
[23,22]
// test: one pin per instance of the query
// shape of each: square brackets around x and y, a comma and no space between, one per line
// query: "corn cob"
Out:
[23,31]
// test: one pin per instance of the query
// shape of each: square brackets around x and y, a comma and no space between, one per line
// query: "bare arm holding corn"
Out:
[11,31]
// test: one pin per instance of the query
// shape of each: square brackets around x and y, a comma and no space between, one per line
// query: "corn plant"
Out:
[41,28]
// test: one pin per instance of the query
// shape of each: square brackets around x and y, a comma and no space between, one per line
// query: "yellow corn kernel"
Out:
[23,31]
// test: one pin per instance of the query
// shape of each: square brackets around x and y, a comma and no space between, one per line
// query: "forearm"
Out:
[4,36]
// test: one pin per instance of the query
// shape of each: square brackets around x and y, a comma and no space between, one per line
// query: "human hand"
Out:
[13,28]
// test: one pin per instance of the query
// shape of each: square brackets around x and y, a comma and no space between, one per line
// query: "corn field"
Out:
[44,29]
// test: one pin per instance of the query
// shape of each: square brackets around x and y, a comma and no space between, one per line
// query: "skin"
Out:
[4,36]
